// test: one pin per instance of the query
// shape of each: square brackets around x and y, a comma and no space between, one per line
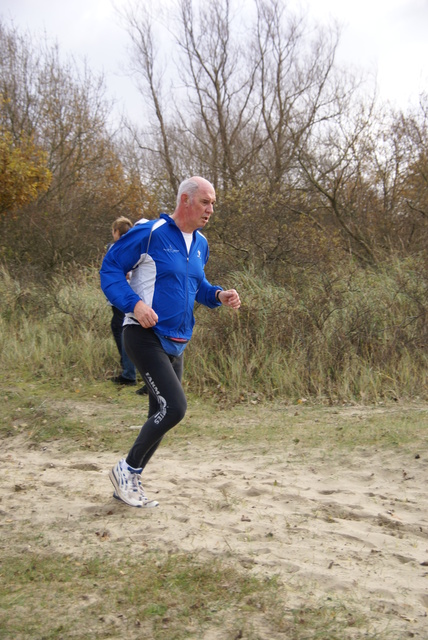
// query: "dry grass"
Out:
[356,335]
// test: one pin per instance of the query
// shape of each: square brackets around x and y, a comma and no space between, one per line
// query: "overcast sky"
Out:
[389,37]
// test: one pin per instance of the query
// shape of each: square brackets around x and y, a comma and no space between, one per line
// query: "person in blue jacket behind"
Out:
[167,258]
[128,375]
[119,227]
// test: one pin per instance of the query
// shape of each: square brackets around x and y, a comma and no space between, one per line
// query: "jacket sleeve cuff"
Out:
[217,302]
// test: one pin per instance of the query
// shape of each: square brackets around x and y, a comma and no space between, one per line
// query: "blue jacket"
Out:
[164,275]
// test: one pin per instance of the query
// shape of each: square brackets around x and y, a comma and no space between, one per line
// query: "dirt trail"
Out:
[355,528]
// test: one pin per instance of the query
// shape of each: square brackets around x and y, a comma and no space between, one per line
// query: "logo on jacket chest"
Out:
[170,249]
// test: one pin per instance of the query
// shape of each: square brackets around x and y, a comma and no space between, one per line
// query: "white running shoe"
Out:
[128,487]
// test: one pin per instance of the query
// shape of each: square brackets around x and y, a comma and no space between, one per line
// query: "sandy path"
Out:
[354,528]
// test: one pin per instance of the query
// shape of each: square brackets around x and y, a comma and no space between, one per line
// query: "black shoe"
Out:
[143,391]
[122,380]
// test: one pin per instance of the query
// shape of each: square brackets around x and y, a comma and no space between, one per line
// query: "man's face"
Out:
[201,206]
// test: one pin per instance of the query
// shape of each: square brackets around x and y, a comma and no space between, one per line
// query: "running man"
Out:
[167,257]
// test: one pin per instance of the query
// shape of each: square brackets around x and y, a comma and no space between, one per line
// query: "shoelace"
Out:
[138,487]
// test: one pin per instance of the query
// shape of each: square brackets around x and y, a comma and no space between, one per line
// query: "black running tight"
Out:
[167,403]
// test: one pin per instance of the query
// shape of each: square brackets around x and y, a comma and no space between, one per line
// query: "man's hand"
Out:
[145,315]
[230,298]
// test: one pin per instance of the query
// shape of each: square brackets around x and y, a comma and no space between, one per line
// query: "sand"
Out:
[353,528]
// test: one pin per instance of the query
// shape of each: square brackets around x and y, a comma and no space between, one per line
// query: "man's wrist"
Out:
[217,295]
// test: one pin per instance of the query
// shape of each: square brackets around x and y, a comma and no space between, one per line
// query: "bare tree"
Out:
[304,163]
[149,76]
[219,73]
[334,167]
[400,169]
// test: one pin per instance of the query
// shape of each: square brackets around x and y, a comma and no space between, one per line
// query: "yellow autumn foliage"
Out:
[24,174]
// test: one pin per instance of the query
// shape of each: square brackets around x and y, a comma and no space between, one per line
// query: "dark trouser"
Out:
[116,327]
[167,403]
[128,370]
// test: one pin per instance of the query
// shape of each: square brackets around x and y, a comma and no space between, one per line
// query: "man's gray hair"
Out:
[189,187]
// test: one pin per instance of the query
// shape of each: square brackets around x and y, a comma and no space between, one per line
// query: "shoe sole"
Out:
[146,505]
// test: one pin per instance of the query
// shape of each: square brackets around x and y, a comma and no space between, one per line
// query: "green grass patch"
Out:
[101,416]
[266,425]
[161,597]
